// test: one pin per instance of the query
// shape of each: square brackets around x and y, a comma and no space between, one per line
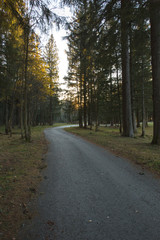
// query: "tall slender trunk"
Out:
[11,117]
[6,116]
[146,114]
[96,106]
[143,103]
[155,50]
[80,99]
[111,98]
[50,111]
[91,106]
[22,108]
[126,87]
[21,119]
[50,104]
[138,118]
[85,99]
[134,120]
[119,97]
[27,133]
[132,84]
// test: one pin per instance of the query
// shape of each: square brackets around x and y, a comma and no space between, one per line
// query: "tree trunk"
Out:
[143,104]
[138,118]
[21,119]
[27,135]
[85,99]
[132,84]
[146,114]
[119,97]
[96,106]
[91,106]
[134,120]
[6,116]
[126,88]
[80,100]
[111,98]
[155,50]
[11,117]
[50,111]
[50,104]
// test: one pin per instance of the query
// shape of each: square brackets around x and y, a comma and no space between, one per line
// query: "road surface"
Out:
[89,194]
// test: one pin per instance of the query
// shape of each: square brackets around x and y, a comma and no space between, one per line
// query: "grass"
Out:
[20,166]
[20,173]
[138,149]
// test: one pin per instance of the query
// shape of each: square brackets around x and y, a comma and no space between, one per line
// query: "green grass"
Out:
[138,149]
[20,166]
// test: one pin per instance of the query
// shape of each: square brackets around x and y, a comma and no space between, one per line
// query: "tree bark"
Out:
[155,50]
[143,104]
[119,96]
[11,117]
[50,111]
[111,98]
[6,116]
[27,134]
[132,84]
[22,108]
[91,105]
[138,118]
[21,119]
[85,98]
[80,98]
[126,87]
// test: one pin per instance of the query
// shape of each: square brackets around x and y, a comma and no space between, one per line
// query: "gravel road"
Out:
[89,194]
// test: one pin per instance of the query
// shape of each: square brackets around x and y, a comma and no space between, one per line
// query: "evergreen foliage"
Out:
[110,56]
[26,78]
[111,44]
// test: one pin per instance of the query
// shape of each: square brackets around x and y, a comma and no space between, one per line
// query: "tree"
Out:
[28,16]
[51,58]
[24,80]
[155,50]
[126,85]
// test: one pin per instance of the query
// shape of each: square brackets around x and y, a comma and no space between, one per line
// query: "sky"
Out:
[61,44]
[62,47]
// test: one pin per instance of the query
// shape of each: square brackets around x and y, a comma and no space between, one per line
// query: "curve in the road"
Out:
[90,194]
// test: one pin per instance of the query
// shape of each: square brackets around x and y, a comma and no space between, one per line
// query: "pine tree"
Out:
[155,47]
[51,58]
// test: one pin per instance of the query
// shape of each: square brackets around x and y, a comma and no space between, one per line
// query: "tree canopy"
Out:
[113,54]
[109,56]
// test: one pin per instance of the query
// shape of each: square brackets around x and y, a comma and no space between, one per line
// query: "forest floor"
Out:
[20,173]
[138,149]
